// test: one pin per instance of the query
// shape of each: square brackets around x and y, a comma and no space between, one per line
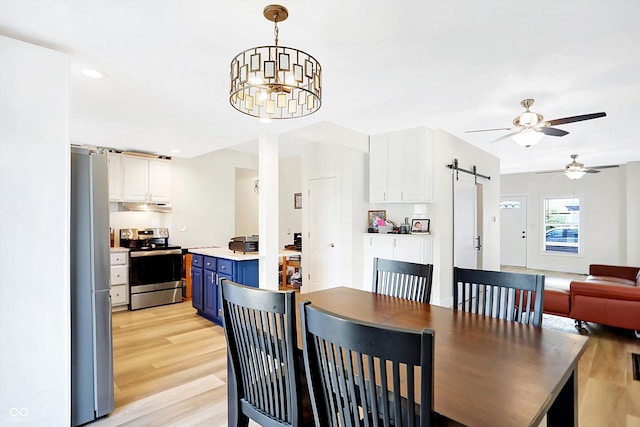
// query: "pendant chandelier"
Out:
[275,82]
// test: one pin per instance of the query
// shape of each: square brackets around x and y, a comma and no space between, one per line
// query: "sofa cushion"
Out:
[556,296]
[607,280]
[623,272]
[556,302]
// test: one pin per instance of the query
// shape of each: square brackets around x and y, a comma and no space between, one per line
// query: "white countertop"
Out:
[118,249]
[408,235]
[225,253]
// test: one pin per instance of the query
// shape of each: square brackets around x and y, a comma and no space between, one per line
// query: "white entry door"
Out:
[467,238]
[324,236]
[513,231]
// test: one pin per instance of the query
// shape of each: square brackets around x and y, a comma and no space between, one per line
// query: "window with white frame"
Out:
[561,231]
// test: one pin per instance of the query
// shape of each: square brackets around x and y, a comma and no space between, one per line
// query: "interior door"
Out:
[467,240]
[324,237]
[513,231]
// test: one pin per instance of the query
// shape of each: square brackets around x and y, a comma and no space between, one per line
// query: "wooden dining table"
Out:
[487,371]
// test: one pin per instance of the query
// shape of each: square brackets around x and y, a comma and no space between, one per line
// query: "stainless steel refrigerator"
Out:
[91,345]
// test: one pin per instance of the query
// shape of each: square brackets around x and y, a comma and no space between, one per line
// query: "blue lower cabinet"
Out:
[197,291]
[210,295]
[209,303]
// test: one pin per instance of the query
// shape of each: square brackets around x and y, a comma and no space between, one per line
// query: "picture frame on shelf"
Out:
[374,216]
[297,200]
[420,225]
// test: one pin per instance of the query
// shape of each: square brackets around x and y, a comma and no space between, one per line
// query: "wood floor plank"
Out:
[151,407]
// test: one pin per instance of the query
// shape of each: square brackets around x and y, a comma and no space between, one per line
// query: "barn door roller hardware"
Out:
[473,172]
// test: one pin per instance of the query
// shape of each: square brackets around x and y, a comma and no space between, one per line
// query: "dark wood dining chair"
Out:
[402,279]
[362,374]
[260,327]
[512,296]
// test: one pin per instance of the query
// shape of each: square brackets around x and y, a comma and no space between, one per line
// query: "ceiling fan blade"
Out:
[509,135]
[573,119]
[553,131]
[592,171]
[556,171]
[485,130]
[606,167]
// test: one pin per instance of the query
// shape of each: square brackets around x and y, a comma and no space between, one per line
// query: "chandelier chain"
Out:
[275,29]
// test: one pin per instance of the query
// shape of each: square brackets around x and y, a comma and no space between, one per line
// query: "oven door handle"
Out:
[137,254]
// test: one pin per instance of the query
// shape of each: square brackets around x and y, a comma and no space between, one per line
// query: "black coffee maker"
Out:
[297,241]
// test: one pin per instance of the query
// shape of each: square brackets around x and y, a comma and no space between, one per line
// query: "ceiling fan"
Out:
[576,170]
[530,127]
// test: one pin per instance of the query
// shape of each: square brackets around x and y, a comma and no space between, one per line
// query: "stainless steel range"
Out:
[155,267]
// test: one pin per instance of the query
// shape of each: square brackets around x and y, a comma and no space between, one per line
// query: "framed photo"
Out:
[374,216]
[297,200]
[420,225]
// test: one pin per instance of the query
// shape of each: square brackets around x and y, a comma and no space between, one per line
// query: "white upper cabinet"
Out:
[146,180]
[378,168]
[115,177]
[401,166]
[160,180]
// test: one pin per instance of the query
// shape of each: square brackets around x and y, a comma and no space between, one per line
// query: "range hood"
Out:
[146,207]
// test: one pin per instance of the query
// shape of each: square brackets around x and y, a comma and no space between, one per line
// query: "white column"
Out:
[268,211]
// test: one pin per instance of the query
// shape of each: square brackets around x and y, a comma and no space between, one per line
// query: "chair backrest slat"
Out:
[402,279]
[355,381]
[511,296]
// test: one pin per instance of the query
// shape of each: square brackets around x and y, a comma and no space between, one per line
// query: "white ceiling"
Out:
[456,65]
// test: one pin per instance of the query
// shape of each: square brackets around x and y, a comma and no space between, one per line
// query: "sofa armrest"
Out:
[625,272]
[606,291]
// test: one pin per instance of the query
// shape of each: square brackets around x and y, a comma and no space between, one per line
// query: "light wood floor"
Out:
[170,370]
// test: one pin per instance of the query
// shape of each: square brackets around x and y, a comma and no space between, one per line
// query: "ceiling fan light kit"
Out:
[275,82]
[575,169]
[530,126]
[528,137]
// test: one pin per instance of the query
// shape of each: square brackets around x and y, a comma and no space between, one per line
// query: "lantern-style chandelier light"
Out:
[275,82]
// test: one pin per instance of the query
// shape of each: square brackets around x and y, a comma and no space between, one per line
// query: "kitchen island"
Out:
[208,267]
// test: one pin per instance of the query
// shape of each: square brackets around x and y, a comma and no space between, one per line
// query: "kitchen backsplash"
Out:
[136,219]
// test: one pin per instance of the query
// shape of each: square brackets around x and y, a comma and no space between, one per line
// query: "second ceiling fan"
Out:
[530,127]
[575,169]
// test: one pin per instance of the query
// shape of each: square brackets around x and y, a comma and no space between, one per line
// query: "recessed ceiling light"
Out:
[175,151]
[264,120]
[93,73]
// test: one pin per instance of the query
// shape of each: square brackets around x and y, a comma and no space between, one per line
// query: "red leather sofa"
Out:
[610,295]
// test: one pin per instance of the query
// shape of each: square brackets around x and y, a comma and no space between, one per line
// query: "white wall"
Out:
[203,197]
[350,166]
[446,148]
[603,211]
[290,182]
[633,214]
[246,202]
[34,205]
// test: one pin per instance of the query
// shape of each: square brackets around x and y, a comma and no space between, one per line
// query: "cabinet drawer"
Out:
[196,261]
[210,263]
[119,275]
[119,295]
[118,258]
[225,267]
